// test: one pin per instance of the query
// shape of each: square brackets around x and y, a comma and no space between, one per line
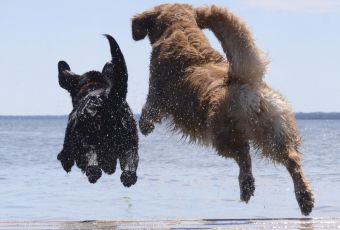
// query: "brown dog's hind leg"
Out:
[278,150]
[275,134]
[245,178]
[240,153]
[303,192]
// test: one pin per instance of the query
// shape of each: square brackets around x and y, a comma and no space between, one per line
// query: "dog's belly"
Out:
[216,108]
[194,100]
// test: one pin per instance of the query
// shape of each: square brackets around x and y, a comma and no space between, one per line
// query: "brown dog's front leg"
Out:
[149,116]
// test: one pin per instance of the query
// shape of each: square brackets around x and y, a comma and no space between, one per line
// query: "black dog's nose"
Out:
[93,173]
[62,65]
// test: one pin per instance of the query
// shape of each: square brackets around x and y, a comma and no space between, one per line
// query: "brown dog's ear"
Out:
[141,24]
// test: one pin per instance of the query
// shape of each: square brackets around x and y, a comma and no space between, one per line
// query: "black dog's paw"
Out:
[109,167]
[128,178]
[247,188]
[66,162]
[305,199]
[93,173]
[146,127]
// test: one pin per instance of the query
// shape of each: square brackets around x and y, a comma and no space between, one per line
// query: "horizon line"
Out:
[62,115]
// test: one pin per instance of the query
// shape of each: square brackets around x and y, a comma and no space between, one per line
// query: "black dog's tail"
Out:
[117,71]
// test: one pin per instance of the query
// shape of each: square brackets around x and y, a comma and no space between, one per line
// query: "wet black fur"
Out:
[101,128]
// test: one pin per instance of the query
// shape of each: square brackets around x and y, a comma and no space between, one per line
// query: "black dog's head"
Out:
[101,127]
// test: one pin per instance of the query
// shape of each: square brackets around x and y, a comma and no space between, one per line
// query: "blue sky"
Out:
[301,38]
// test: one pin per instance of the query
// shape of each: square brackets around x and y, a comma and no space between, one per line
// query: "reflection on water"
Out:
[306,226]
[176,180]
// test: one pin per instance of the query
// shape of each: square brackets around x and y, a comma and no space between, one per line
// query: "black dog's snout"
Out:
[90,110]
[62,65]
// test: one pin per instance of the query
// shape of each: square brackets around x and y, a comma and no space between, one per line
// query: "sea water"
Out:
[176,180]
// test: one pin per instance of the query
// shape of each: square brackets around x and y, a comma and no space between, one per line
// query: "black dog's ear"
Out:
[116,71]
[108,70]
[141,24]
[67,79]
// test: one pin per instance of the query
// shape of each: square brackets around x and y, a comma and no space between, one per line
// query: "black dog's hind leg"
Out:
[129,163]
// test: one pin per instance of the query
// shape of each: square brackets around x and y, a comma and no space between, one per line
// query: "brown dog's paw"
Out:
[247,188]
[305,199]
[146,127]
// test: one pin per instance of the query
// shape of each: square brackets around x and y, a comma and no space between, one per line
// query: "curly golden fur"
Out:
[216,100]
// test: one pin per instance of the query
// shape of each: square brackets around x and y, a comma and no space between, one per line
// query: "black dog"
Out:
[101,127]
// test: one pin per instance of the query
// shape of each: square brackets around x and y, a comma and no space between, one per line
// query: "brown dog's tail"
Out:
[248,63]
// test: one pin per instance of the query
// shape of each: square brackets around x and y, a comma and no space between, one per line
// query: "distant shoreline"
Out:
[317,116]
[299,116]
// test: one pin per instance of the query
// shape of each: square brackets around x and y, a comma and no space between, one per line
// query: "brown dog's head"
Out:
[153,22]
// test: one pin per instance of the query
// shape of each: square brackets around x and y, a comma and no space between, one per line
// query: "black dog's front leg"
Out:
[129,163]
[93,171]
[67,154]
[108,163]
[66,159]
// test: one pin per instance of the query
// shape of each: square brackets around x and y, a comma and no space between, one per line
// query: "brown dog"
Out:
[214,101]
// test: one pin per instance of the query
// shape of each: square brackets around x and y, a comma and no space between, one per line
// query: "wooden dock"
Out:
[306,224]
